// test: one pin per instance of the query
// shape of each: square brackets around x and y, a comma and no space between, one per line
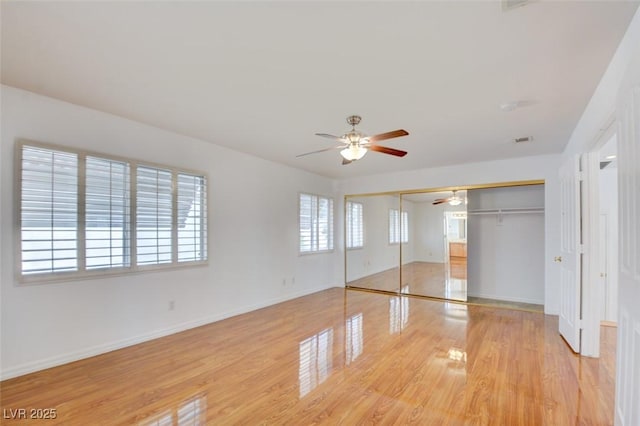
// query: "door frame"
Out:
[591,280]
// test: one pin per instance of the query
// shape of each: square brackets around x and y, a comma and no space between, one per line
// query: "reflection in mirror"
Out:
[434,260]
[316,360]
[373,234]
[353,339]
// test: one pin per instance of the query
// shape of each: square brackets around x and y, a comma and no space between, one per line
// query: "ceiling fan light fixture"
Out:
[455,201]
[353,152]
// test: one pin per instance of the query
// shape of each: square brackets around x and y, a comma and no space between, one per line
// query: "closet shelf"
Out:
[513,210]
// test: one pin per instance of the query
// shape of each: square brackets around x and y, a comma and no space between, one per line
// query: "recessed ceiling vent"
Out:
[523,139]
[604,164]
[508,5]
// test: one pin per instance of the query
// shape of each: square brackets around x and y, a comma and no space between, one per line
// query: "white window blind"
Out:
[394,230]
[154,217]
[192,220]
[77,213]
[355,225]
[398,227]
[316,223]
[49,211]
[404,227]
[107,214]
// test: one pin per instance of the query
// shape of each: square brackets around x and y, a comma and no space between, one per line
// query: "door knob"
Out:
[557,259]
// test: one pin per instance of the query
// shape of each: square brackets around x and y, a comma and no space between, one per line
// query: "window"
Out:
[398,227]
[316,223]
[89,213]
[107,213]
[154,216]
[355,227]
[49,211]
[192,218]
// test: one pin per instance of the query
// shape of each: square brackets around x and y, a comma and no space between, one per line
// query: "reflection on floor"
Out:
[505,304]
[441,280]
[337,357]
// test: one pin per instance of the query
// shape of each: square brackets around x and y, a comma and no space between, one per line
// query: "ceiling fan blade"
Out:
[328,136]
[440,201]
[345,161]
[388,135]
[320,150]
[386,150]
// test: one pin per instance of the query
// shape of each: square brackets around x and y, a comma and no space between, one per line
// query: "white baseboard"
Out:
[55,361]
[507,298]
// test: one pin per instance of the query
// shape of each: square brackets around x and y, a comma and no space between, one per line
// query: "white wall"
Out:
[609,102]
[516,169]
[428,238]
[253,237]
[506,252]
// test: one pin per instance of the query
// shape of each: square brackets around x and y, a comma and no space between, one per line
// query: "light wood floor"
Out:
[444,281]
[338,357]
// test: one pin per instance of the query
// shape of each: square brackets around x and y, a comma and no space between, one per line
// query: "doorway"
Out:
[455,248]
[608,247]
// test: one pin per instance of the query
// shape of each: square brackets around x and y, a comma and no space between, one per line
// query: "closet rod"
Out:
[507,211]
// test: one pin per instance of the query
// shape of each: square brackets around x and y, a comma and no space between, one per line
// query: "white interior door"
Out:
[603,260]
[569,259]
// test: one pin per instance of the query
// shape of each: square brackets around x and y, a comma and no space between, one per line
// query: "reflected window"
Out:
[398,227]
[192,412]
[355,225]
[457,355]
[315,360]
[353,342]
[455,311]
[398,314]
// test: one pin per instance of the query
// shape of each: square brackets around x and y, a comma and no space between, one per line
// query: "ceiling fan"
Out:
[453,200]
[355,144]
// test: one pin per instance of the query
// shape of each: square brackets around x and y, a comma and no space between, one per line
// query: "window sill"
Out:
[59,277]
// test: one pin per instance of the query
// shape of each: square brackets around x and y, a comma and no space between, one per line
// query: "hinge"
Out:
[580,176]
[581,248]
[580,324]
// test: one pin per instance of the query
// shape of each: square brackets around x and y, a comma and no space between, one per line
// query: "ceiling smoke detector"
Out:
[523,139]
[509,106]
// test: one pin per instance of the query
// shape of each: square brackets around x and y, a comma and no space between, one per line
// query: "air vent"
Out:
[523,139]
[508,5]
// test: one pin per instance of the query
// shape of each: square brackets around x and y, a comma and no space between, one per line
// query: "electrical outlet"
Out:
[172,305]
[284,281]
[293,280]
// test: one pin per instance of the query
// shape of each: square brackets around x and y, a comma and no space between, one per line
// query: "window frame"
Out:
[331,226]
[348,227]
[403,237]
[82,272]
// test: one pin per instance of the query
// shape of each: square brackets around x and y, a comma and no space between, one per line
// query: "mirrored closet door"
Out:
[478,244]
[434,253]
[372,238]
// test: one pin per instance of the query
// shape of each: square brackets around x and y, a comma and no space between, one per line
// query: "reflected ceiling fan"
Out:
[355,144]
[454,200]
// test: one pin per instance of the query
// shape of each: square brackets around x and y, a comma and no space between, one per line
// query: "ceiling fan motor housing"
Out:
[354,120]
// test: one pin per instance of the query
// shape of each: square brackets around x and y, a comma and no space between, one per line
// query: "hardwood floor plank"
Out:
[337,357]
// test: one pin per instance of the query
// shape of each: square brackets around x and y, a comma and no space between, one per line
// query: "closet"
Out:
[506,244]
[477,242]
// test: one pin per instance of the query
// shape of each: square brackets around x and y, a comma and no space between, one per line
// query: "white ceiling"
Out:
[263,77]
